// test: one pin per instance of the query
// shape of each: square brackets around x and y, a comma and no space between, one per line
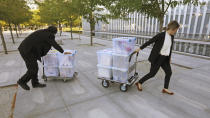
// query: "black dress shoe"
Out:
[23,85]
[38,85]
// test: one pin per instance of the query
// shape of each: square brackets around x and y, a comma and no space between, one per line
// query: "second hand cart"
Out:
[124,85]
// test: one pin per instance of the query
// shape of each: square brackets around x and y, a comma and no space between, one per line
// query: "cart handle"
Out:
[137,54]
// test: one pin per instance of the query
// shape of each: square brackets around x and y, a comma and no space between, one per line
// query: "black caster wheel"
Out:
[75,75]
[105,83]
[44,78]
[123,87]
[112,81]
[136,74]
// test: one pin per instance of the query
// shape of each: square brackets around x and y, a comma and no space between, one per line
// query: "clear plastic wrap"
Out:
[67,59]
[51,71]
[51,58]
[66,71]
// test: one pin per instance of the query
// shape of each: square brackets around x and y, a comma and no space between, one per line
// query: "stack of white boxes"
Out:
[105,63]
[118,59]
[57,64]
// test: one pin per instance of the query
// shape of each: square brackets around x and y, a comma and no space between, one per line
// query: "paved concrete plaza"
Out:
[84,97]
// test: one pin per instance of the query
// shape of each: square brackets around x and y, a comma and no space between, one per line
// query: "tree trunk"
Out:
[16,30]
[60,28]
[19,29]
[79,32]
[3,41]
[91,36]
[71,25]
[10,28]
[161,23]
[92,25]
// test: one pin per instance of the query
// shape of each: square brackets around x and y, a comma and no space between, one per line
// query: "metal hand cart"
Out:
[57,77]
[131,80]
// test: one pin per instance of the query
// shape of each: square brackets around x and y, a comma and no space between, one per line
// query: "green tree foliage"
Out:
[13,12]
[35,21]
[51,11]
[92,11]
[2,37]
[71,12]
[152,8]
[2,15]
[57,11]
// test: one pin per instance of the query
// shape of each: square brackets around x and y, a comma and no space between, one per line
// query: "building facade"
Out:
[194,21]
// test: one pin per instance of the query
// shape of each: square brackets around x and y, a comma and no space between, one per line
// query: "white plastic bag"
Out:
[51,71]
[66,71]
[67,60]
[51,58]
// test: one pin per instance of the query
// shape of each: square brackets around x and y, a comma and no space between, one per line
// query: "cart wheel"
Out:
[105,83]
[136,74]
[44,77]
[75,75]
[64,80]
[112,81]
[123,87]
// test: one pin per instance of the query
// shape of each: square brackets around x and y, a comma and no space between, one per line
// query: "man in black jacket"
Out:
[32,49]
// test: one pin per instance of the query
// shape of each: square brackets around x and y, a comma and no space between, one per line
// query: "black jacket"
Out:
[39,43]
[159,41]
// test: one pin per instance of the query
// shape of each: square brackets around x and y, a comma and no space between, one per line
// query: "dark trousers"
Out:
[32,66]
[164,63]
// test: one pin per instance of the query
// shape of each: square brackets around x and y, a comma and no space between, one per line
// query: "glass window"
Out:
[166,21]
[171,18]
[209,5]
[181,23]
[206,21]
[176,17]
[199,24]
[186,23]
[192,24]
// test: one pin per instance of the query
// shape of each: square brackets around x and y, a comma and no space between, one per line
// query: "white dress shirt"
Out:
[167,45]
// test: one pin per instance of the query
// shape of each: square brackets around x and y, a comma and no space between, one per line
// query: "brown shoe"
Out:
[139,86]
[167,92]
